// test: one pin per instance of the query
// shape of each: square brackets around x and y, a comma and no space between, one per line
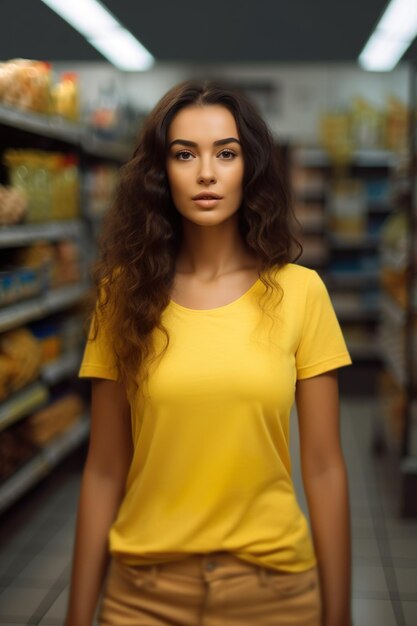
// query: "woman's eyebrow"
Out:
[192,144]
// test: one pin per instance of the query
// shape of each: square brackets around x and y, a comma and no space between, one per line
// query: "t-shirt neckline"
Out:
[222,307]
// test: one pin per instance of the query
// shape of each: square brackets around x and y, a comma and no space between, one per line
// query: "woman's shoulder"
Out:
[294,273]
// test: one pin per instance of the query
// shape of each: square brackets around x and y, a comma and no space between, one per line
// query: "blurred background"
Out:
[336,83]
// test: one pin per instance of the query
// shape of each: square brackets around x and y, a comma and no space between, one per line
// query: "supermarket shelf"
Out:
[379,207]
[59,128]
[363,351]
[26,233]
[43,463]
[374,158]
[356,313]
[316,157]
[61,368]
[348,242]
[352,278]
[22,312]
[311,194]
[313,227]
[63,297]
[311,157]
[21,403]
[39,124]
[392,309]
[394,367]
[105,148]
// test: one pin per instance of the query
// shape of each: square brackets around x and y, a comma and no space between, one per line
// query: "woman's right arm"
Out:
[102,489]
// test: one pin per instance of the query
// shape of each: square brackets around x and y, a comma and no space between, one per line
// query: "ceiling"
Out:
[213,31]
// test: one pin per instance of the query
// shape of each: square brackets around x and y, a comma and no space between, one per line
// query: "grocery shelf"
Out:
[65,296]
[395,367]
[44,125]
[105,148]
[351,278]
[36,308]
[392,309]
[374,158]
[23,234]
[366,350]
[22,402]
[356,313]
[347,242]
[308,193]
[379,206]
[317,157]
[43,463]
[58,128]
[312,227]
[61,368]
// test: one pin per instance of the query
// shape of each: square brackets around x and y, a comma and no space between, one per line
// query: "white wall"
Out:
[304,92]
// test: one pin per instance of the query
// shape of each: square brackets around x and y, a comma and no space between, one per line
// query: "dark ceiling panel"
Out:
[218,31]
[265,30]
[29,29]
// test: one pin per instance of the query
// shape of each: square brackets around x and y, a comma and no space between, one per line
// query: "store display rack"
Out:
[32,130]
[43,463]
[56,127]
[353,284]
[24,234]
[395,421]
[37,308]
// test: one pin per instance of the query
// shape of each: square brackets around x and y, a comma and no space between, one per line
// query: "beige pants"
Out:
[215,589]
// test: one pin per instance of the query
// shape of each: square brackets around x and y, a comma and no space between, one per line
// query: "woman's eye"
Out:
[229,154]
[184,152]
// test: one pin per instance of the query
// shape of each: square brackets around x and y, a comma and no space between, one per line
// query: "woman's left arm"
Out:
[326,488]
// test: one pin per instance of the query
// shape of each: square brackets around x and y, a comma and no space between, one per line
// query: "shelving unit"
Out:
[22,403]
[37,308]
[24,234]
[50,133]
[350,260]
[43,463]
[395,420]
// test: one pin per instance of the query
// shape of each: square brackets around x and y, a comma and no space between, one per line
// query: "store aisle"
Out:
[36,540]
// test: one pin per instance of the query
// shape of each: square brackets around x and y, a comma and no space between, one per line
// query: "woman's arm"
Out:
[102,489]
[326,487]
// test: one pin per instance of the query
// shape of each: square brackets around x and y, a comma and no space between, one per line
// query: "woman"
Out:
[204,333]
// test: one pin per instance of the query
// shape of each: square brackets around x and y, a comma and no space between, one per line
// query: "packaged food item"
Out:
[13,205]
[47,334]
[347,207]
[394,255]
[48,423]
[396,125]
[25,84]
[50,182]
[15,450]
[367,125]
[65,95]
[21,359]
[336,137]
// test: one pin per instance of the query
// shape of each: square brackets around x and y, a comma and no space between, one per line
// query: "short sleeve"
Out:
[98,360]
[322,346]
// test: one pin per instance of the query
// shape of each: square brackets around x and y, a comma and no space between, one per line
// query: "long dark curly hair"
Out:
[141,235]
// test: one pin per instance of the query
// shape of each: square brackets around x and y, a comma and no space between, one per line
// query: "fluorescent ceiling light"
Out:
[123,50]
[104,32]
[392,36]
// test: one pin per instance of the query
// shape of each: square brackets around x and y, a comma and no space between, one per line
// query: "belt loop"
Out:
[263,576]
[152,575]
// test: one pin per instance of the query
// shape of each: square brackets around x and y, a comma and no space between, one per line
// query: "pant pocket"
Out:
[287,585]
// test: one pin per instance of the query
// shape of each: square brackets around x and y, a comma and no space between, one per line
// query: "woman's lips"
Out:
[207,203]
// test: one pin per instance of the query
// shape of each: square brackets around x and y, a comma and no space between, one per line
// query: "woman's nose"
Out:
[206,173]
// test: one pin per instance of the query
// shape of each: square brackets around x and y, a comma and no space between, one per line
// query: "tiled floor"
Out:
[37,535]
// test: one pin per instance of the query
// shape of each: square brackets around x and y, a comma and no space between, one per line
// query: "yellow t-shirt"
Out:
[211,468]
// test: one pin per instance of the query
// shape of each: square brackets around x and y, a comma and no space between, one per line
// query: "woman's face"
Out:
[204,156]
